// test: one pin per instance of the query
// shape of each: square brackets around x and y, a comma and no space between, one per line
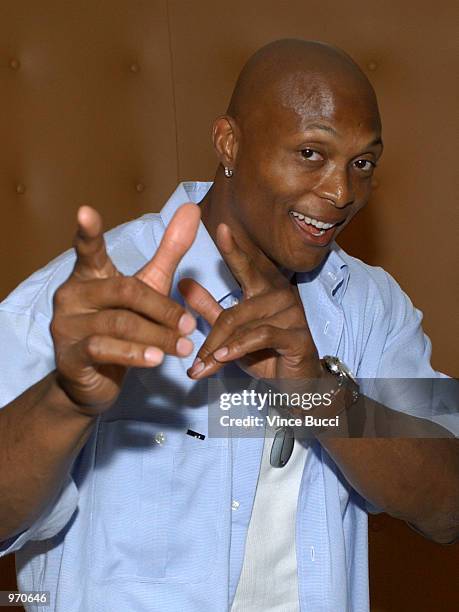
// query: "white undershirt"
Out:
[268,581]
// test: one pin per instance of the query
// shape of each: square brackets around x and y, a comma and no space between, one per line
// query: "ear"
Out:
[225,136]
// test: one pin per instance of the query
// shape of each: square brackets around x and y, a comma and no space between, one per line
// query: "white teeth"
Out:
[319,224]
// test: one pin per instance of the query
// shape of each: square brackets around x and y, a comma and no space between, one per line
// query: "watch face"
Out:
[336,366]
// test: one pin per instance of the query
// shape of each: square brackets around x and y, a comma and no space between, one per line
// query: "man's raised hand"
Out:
[104,322]
[267,333]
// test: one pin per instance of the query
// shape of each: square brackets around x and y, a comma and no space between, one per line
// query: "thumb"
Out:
[159,272]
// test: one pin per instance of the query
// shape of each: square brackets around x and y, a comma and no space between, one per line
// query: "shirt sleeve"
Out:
[406,350]
[405,380]
[26,357]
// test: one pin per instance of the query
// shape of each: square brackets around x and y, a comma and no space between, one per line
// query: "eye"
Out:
[365,164]
[310,154]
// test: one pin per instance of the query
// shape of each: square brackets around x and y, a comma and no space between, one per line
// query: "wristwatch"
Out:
[346,380]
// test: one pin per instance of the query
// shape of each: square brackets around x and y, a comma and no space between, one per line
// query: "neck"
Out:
[218,207]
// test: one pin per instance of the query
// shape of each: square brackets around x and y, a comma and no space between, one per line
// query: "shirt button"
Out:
[160,437]
[235,504]
[234,301]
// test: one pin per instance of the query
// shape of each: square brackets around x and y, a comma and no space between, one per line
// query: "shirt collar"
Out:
[333,274]
[204,263]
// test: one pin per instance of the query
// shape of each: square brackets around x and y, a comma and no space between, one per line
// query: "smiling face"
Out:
[303,161]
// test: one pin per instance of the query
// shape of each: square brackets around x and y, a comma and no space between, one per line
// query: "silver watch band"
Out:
[345,378]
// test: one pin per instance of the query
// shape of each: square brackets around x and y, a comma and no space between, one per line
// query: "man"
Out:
[108,501]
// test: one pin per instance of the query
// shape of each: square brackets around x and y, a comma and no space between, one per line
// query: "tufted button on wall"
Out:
[372,65]
[140,187]
[15,64]
[134,67]
[20,188]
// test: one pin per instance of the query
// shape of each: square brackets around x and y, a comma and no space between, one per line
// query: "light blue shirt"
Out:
[145,521]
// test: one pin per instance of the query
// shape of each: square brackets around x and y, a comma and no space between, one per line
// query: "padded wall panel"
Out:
[87,117]
[409,51]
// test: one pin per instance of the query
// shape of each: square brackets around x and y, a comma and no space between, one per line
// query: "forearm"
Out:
[416,480]
[40,435]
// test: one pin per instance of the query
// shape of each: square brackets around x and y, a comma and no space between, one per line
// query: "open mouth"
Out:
[320,231]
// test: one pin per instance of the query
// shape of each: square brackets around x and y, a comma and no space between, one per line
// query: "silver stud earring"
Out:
[228,172]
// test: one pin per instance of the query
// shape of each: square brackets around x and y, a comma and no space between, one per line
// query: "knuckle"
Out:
[170,341]
[56,327]
[265,332]
[227,319]
[62,296]
[236,345]
[92,346]
[172,314]
[284,297]
[303,338]
[60,362]
[131,352]
[204,351]
[286,293]
[120,324]
[127,288]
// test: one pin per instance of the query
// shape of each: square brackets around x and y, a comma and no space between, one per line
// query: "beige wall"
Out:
[110,103]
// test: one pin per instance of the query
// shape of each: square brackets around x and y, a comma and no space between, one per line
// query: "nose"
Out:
[336,187]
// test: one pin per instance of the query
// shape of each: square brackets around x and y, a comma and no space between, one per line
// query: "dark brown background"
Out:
[110,103]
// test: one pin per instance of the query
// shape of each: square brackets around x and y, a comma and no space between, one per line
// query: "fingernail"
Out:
[184,346]
[153,355]
[198,366]
[195,362]
[222,352]
[187,323]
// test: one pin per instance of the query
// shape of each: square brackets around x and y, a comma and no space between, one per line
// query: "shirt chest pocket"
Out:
[157,498]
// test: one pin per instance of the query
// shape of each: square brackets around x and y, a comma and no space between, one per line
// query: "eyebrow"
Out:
[321,126]
[330,130]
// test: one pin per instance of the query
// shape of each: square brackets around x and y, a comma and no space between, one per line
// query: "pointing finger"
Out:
[240,263]
[178,238]
[92,259]
[200,300]
[252,312]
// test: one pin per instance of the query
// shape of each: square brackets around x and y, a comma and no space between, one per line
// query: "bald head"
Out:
[301,139]
[292,74]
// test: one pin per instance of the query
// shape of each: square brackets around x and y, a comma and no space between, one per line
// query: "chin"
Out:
[308,268]
[302,264]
